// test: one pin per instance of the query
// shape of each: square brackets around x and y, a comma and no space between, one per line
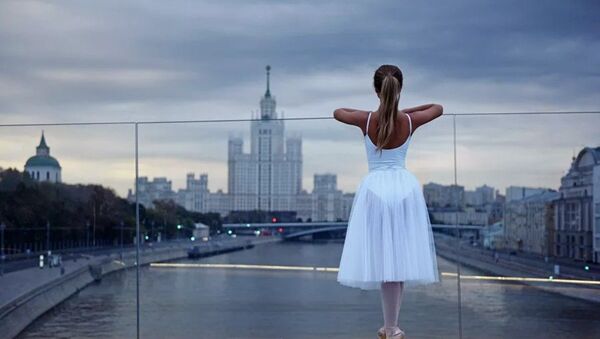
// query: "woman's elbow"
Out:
[440,109]
[336,113]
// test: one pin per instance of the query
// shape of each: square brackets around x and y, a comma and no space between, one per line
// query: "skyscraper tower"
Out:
[270,177]
[267,148]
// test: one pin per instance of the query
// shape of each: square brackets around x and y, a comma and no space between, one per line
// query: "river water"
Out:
[249,303]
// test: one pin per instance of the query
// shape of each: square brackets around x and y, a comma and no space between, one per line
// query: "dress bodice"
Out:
[393,158]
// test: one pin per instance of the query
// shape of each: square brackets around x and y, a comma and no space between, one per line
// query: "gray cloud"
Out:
[140,60]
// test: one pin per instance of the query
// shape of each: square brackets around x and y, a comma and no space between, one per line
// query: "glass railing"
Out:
[64,224]
[532,262]
[241,225]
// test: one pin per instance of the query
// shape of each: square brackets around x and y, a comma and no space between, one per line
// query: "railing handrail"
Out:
[190,121]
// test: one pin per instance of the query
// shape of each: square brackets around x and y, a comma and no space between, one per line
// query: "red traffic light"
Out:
[274,219]
[280,229]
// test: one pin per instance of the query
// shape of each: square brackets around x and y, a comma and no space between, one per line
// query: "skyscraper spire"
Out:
[267,102]
[268,93]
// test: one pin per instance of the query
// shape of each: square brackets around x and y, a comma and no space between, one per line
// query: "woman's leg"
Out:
[391,298]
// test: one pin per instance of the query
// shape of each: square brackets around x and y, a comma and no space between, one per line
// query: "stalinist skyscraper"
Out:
[268,178]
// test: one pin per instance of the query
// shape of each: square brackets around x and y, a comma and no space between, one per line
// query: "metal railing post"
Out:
[456,229]
[137,235]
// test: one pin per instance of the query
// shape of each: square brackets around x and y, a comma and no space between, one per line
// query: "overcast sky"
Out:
[64,61]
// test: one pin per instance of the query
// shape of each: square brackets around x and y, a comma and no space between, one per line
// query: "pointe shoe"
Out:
[381,333]
[395,333]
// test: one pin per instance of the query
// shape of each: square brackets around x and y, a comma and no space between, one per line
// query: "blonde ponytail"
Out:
[390,95]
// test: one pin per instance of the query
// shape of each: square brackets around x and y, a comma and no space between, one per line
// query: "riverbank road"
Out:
[515,269]
[20,283]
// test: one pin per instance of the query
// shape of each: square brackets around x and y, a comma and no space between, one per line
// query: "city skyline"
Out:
[179,182]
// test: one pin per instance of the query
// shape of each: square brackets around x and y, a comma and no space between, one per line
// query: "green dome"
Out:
[42,160]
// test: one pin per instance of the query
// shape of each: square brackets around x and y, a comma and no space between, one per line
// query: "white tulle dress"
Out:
[389,236]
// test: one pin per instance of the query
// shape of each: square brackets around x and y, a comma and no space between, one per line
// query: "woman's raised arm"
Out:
[350,116]
[420,115]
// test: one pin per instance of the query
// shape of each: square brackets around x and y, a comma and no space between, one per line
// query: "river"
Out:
[251,303]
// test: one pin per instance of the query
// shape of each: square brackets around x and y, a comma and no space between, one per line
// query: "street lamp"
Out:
[48,237]
[87,234]
[152,227]
[94,225]
[121,252]
[3,257]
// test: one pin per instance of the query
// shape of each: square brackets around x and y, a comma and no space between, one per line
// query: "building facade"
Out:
[149,191]
[482,195]
[529,223]
[520,192]
[304,206]
[347,201]
[219,202]
[467,216]
[444,196]
[326,198]
[195,196]
[576,212]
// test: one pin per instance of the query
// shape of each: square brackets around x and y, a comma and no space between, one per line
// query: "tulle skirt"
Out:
[389,236]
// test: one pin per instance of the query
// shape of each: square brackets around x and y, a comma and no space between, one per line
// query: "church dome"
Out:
[42,161]
[42,158]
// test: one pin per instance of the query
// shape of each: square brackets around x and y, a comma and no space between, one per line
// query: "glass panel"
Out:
[67,224]
[274,286]
[527,184]
[526,221]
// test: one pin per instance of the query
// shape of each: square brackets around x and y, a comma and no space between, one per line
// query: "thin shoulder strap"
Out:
[409,125]
[367,127]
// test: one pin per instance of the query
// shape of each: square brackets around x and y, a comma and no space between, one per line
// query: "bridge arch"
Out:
[299,234]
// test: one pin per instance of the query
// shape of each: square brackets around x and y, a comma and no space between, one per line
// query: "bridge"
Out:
[294,230]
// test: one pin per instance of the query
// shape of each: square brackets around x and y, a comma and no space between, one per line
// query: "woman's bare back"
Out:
[401,128]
